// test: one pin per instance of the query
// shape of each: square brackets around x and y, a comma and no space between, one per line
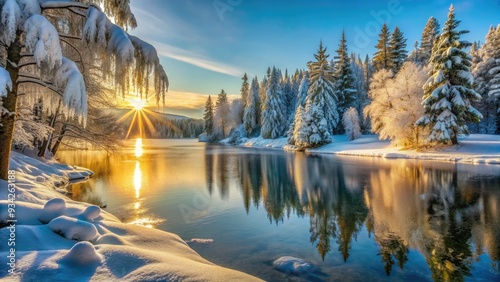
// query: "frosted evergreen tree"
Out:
[397,50]
[381,58]
[345,90]
[273,120]
[251,116]
[245,88]
[208,117]
[300,131]
[320,115]
[301,103]
[361,98]
[429,36]
[221,115]
[448,93]
[350,120]
[487,80]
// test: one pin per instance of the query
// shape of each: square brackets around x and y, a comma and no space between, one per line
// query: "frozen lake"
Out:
[353,218]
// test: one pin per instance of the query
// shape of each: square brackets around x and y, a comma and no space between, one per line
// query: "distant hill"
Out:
[161,125]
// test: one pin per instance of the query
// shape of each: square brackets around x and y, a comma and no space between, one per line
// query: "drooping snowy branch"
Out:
[147,63]
[42,40]
[100,31]
[69,79]
[120,11]
[9,21]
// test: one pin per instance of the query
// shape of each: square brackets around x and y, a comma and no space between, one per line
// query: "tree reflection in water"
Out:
[427,207]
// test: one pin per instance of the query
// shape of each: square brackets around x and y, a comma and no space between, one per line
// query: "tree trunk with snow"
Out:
[10,104]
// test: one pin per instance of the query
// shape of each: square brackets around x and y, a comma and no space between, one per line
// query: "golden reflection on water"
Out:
[138,147]
[137,180]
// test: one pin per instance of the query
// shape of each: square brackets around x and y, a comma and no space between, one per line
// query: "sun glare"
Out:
[138,104]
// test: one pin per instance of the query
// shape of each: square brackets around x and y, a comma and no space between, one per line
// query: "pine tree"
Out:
[221,116]
[301,103]
[345,90]
[208,117]
[429,36]
[245,88]
[381,59]
[448,93]
[320,114]
[397,51]
[487,84]
[273,121]
[251,116]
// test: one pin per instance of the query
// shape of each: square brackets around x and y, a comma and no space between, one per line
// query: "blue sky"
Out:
[206,45]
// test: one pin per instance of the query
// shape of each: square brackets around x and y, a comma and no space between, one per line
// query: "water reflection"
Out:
[430,208]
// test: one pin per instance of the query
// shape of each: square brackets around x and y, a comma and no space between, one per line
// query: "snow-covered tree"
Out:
[381,58]
[36,58]
[251,116]
[208,117]
[350,120]
[429,36]
[301,103]
[487,80]
[397,50]
[345,89]
[320,115]
[273,119]
[448,92]
[221,116]
[395,106]
[361,99]
[245,88]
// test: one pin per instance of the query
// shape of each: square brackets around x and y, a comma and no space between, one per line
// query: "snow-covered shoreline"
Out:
[475,149]
[56,238]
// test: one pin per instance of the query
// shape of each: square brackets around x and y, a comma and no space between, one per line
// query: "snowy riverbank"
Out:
[58,239]
[476,148]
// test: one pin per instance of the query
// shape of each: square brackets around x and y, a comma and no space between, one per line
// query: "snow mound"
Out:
[200,241]
[110,239]
[90,214]
[52,209]
[292,265]
[81,254]
[73,229]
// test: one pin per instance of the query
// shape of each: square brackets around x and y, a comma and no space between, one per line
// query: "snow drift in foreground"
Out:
[60,239]
[476,149]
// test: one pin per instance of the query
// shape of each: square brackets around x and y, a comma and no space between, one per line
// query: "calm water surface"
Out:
[355,219]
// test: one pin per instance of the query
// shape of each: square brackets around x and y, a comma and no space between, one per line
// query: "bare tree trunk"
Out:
[59,140]
[10,104]
[46,142]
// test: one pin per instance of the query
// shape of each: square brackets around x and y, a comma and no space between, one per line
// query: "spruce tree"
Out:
[397,50]
[208,117]
[273,120]
[381,58]
[251,116]
[448,93]
[429,36]
[301,103]
[221,116]
[320,115]
[345,90]
[487,75]
[245,88]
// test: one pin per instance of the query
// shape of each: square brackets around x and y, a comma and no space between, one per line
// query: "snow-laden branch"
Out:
[27,78]
[9,21]
[42,39]
[100,31]
[69,79]
[49,4]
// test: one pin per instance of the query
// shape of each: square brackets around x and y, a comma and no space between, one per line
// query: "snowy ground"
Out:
[58,239]
[476,148]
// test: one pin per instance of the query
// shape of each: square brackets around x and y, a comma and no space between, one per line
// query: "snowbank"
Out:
[476,149]
[59,239]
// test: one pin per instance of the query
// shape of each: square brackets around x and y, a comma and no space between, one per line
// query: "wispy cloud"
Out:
[196,59]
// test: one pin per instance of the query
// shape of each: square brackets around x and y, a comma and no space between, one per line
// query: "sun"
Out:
[138,104]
